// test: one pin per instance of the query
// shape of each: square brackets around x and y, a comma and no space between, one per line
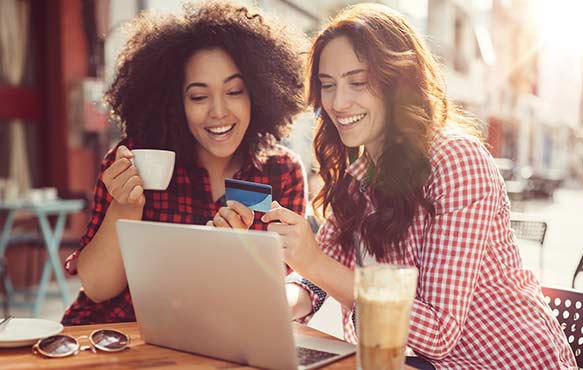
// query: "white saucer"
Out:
[25,332]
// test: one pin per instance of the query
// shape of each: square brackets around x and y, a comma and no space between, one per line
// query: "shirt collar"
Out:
[359,168]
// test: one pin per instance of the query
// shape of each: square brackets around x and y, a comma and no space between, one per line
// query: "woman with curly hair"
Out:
[219,86]
[409,175]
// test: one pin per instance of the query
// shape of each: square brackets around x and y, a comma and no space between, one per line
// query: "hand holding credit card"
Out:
[251,194]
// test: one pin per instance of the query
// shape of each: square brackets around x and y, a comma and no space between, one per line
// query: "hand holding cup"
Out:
[123,181]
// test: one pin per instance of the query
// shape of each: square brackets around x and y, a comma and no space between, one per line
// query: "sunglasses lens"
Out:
[58,345]
[110,340]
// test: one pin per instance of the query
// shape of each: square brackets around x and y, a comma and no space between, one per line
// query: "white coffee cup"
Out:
[155,167]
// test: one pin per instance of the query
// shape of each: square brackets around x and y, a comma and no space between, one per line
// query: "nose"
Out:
[341,100]
[219,108]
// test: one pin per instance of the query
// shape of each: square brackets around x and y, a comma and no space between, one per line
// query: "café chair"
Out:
[526,228]
[567,307]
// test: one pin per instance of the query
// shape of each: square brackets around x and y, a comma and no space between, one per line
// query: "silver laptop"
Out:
[217,292]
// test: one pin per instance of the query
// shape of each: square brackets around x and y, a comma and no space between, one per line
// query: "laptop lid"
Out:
[212,291]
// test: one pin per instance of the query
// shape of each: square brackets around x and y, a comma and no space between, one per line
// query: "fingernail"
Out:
[263,218]
[229,203]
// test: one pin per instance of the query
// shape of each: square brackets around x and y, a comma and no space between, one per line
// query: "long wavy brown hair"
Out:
[407,77]
[146,94]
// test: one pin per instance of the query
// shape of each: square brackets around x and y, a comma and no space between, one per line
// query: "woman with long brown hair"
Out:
[407,172]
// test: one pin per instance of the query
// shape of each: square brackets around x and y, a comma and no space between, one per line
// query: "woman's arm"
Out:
[99,264]
[327,268]
[299,300]
[334,278]
[465,190]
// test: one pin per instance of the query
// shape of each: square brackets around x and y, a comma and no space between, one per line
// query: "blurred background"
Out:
[515,64]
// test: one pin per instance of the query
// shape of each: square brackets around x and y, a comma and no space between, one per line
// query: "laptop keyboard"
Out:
[308,356]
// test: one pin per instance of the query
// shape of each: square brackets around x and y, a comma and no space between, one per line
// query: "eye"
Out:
[197,98]
[359,84]
[326,86]
[235,92]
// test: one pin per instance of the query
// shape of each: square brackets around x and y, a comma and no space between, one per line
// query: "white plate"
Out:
[25,332]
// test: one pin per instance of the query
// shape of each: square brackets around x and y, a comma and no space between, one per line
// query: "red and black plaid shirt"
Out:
[187,200]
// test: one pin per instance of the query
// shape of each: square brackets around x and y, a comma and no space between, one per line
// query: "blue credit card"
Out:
[251,194]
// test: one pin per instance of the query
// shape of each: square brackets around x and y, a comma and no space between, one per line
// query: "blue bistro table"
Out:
[52,237]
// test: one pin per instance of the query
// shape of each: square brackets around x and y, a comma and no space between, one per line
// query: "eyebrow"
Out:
[202,84]
[345,74]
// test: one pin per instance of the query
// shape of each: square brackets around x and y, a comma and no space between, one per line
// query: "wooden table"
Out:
[139,356]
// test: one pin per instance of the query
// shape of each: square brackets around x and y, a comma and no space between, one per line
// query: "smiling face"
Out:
[216,103]
[358,114]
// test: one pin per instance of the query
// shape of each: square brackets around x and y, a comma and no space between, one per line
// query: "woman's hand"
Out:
[235,215]
[299,300]
[300,247]
[123,181]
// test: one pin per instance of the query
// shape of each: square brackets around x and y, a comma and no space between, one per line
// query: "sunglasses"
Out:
[107,340]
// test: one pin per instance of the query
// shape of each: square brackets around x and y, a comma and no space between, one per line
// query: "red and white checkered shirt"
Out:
[188,200]
[476,307]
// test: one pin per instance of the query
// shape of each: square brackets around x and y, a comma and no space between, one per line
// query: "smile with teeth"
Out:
[351,119]
[220,130]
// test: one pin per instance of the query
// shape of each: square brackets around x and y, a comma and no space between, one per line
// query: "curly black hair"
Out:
[146,94]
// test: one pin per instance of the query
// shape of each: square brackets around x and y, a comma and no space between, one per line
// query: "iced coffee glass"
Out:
[384,296]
